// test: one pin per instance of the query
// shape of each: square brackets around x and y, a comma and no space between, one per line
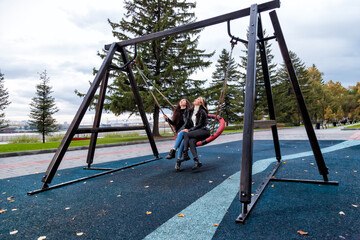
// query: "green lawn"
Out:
[18,147]
[353,126]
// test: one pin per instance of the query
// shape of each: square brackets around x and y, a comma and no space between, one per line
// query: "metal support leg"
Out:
[55,162]
[265,68]
[96,124]
[299,97]
[247,147]
[139,102]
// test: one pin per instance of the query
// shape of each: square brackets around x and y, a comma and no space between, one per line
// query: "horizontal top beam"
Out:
[196,25]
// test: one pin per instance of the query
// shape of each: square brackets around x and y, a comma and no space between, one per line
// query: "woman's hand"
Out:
[185,130]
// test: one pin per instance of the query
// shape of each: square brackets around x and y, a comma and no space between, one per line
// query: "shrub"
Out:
[25,139]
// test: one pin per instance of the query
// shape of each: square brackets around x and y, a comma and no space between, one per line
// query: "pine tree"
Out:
[286,107]
[231,106]
[4,102]
[43,107]
[167,62]
[261,105]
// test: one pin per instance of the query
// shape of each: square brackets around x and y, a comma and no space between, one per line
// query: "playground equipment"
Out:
[256,38]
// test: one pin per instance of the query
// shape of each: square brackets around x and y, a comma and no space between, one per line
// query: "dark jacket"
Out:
[201,120]
[185,122]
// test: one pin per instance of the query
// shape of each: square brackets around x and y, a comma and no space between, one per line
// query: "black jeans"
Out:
[192,137]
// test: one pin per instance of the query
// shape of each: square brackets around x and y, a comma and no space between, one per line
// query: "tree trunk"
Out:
[156,132]
[43,137]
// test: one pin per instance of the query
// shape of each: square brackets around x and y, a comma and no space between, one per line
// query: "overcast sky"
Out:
[63,37]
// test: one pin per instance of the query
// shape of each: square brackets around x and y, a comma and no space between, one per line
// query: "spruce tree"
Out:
[261,106]
[231,107]
[286,107]
[43,107]
[4,102]
[167,62]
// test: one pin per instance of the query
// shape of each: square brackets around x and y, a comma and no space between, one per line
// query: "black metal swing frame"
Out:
[255,39]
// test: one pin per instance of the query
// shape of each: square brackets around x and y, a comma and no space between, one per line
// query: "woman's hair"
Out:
[203,105]
[177,112]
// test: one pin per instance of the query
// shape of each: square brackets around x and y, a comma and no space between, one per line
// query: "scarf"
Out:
[193,117]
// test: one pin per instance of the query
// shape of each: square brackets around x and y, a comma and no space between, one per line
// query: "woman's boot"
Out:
[197,164]
[185,156]
[171,154]
[177,165]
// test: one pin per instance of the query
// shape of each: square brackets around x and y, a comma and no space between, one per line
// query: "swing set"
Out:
[255,40]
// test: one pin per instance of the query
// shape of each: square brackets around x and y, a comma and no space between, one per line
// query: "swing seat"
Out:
[219,130]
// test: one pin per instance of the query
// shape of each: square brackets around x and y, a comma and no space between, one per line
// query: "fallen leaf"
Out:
[148,212]
[73,219]
[252,183]
[67,208]
[84,182]
[13,210]
[284,162]
[59,174]
[215,225]
[252,194]
[336,172]
[111,181]
[41,238]
[355,171]
[347,156]
[12,201]
[119,195]
[67,173]
[218,157]
[272,185]
[14,232]
[146,186]
[224,175]
[305,170]
[180,215]
[210,181]
[4,193]
[9,198]
[2,211]
[36,172]
[351,204]
[311,163]
[302,232]
[341,213]
[79,234]
[229,177]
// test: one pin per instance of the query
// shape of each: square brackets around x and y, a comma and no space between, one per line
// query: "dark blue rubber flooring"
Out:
[114,206]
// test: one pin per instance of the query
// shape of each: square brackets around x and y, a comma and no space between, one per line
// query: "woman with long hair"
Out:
[181,119]
[197,133]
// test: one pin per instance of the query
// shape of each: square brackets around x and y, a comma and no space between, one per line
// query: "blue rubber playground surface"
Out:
[152,201]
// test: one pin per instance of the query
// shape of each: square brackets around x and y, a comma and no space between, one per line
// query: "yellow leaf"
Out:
[351,204]
[311,163]
[302,232]
[59,174]
[284,162]
[355,171]
[67,208]
[252,194]
[180,215]
[13,210]
[272,185]
[79,234]
[210,181]
[229,177]
[119,195]
[14,232]
[341,213]
[2,211]
[146,186]
[9,198]
[41,238]
[148,212]
[215,225]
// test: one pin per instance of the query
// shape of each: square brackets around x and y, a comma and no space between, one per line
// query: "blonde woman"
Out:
[197,133]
